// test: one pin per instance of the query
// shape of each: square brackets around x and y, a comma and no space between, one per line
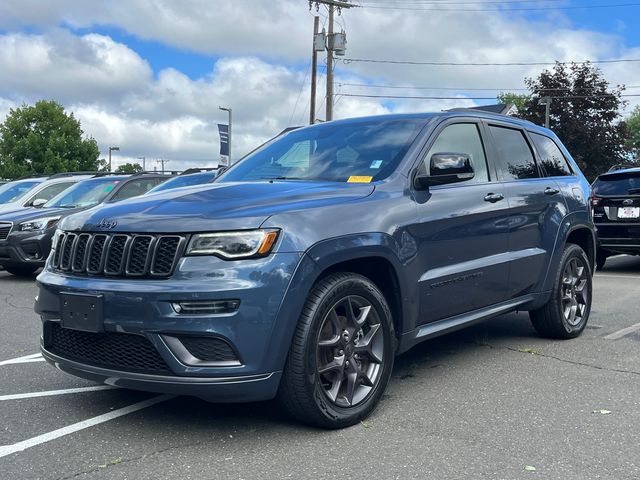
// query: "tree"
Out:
[585,114]
[517,99]
[129,168]
[633,138]
[43,139]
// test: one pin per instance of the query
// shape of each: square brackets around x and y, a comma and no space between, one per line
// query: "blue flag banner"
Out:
[223,130]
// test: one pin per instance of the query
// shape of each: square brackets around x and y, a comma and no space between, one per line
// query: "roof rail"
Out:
[25,177]
[622,166]
[137,174]
[71,174]
[189,171]
[488,113]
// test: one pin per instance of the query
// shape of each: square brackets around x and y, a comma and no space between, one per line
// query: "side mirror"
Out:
[445,168]
[39,202]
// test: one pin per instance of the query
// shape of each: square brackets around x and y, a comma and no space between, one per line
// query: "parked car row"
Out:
[31,208]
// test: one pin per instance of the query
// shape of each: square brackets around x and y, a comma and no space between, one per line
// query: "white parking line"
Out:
[61,432]
[50,393]
[34,357]
[623,332]
[621,276]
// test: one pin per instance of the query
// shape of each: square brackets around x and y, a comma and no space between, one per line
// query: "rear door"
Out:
[536,208]
[462,230]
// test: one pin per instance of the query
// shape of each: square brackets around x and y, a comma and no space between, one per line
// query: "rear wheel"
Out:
[342,353]
[22,271]
[566,313]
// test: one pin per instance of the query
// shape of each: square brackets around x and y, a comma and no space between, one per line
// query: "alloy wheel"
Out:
[574,291]
[350,351]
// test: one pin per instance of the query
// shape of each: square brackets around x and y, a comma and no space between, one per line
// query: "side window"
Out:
[462,138]
[515,158]
[47,193]
[137,187]
[553,162]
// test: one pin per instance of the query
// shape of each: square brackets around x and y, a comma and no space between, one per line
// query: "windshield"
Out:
[612,184]
[84,194]
[184,181]
[10,192]
[361,151]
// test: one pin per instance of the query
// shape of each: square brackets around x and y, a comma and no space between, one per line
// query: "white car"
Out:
[36,191]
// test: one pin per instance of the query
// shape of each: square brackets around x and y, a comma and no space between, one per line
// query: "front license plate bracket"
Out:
[82,312]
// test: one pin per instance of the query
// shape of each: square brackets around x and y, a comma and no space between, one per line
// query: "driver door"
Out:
[463,230]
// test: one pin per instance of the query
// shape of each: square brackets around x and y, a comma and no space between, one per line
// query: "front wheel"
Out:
[566,313]
[342,353]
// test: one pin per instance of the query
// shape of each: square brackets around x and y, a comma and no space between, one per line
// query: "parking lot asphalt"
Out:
[493,401]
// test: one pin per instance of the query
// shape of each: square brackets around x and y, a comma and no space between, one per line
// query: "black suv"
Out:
[25,235]
[615,198]
[303,270]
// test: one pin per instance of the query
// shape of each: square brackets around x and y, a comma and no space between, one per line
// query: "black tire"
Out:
[601,259]
[22,271]
[328,354]
[566,313]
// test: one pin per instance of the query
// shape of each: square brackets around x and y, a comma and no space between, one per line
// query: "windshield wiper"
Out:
[285,178]
[634,191]
[67,206]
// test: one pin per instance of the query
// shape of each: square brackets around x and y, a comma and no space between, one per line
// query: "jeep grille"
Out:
[117,254]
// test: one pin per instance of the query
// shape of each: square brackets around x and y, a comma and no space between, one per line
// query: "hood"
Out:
[216,206]
[26,214]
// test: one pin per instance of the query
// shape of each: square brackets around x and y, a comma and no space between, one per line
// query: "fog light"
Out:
[206,307]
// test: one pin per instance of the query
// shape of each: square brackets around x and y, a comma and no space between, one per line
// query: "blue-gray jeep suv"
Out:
[305,268]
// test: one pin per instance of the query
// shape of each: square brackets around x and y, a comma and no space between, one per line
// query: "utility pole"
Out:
[334,44]
[162,161]
[546,101]
[144,163]
[314,70]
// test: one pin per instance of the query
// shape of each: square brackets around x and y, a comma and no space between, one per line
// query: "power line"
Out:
[487,64]
[420,97]
[471,2]
[411,87]
[568,7]
[436,2]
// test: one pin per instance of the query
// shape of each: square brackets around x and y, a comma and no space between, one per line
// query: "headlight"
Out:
[39,224]
[233,245]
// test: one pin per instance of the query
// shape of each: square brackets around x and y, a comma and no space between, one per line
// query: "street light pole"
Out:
[112,149]
[144,163]
[228,110]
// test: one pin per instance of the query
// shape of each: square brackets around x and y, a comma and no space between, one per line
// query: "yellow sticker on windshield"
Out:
[359,179]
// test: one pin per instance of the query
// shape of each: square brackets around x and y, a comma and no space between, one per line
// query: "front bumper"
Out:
[26,248]
[259,331]
[246,388]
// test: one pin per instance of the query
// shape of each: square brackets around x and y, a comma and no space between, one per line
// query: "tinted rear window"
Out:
[515,159]
[552,159]
[618,184]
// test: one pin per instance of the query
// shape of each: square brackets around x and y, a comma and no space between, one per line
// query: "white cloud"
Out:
[257,49]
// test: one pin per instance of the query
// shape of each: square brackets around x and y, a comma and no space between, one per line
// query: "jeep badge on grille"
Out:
[107,223]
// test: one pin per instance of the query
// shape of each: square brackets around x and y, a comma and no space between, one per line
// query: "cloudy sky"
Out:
[149,75]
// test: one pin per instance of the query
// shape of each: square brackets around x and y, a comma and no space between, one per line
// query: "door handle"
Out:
[551,191]
[494,197]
